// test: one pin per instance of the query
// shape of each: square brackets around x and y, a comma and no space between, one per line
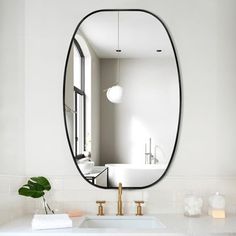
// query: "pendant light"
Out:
[114,93]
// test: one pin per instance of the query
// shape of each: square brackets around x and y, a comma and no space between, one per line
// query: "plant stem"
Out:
[44,204]
[50,209]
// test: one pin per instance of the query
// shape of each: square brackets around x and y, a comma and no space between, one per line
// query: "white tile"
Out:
[11,206]
[4,216]
[30,206]
[131,195]
[76,183]
[4,184]
[5,201]
[110,208]
[57,183]
[84,207]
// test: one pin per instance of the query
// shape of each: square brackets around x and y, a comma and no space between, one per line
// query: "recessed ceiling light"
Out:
[158,50]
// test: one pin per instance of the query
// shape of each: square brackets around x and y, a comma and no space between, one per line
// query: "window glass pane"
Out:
[80,124]
[77,68]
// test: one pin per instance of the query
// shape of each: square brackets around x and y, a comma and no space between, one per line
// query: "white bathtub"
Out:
[131,175]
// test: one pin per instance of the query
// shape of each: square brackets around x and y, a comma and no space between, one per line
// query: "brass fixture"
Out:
[139,208]
[119,203]
[100,208]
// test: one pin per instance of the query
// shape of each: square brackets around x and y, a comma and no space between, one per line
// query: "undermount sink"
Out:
[122,222]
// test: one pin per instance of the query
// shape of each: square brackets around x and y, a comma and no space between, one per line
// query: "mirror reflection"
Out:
[122,99]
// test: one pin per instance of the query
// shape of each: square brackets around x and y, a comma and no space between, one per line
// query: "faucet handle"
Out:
[100,208]
[139,208]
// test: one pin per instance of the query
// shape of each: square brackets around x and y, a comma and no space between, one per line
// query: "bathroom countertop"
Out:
[176,224]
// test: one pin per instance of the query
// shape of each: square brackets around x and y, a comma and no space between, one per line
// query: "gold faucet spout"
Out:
[119,203]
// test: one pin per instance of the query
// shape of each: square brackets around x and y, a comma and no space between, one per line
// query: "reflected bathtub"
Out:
[131,175]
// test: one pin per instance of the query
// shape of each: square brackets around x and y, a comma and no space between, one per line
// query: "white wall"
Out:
[95,110]
[150,109]
[12,108]
[204,36]
[12,87]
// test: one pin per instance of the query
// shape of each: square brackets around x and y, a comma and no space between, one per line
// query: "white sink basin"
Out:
[121,222]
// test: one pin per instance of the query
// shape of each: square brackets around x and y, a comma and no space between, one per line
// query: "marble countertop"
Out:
[176,224]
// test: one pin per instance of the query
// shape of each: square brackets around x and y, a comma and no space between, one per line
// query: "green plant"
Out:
[35,188]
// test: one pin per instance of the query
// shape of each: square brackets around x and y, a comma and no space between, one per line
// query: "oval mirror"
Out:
[122,98]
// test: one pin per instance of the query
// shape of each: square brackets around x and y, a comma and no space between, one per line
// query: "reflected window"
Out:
[79,99]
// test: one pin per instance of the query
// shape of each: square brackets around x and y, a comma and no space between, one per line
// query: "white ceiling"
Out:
[141,35]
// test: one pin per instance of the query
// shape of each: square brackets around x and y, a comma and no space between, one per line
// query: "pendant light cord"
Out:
[114,93]
[118,31]
[118,46]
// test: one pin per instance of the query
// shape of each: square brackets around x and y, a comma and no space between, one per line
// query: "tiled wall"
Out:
[72,193]
[11,204]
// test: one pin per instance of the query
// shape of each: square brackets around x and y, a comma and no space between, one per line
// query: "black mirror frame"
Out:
[180,96]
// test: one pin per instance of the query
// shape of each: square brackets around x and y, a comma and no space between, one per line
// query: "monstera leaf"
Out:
[35,187]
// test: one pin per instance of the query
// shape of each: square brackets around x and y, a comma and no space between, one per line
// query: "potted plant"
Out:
[35,188]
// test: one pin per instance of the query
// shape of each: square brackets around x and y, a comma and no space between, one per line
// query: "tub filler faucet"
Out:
[119,203]
[149,157]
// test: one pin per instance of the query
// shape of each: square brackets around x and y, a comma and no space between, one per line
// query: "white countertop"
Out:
[175,225]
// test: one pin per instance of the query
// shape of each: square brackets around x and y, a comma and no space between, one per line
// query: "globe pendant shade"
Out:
[114,94]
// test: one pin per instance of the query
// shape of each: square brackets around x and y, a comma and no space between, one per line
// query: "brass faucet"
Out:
[139,208]
[100,208]
[119,203]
